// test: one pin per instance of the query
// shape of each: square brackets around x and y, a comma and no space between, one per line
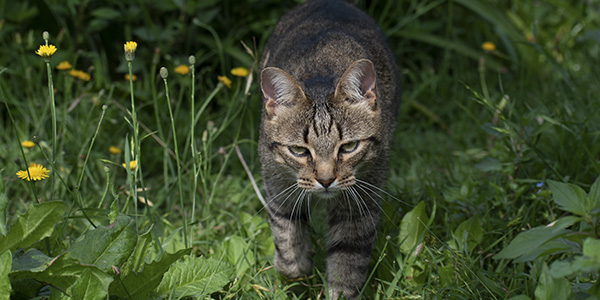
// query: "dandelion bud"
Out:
[106,169]
[104,107]
[46,35]
[192,60]
[164,73]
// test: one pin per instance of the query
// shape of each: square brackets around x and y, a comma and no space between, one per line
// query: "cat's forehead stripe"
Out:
[322,120]
[306,131]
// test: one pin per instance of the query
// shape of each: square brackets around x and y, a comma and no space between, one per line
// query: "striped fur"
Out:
[331,91]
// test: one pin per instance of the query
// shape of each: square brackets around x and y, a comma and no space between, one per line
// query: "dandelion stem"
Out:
[136,143]
[192,60]
[164,73]
[53,116]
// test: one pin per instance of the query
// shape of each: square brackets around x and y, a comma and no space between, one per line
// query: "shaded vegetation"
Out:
[492,181]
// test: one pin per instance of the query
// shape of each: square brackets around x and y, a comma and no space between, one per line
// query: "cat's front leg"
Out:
[350,242]
[292,245]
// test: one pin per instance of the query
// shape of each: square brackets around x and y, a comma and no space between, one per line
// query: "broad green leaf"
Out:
[569,197]
[555,246]
[468,233]
[91,285]
[38,222]
[412,228]
[139,284]
[593,196]
[31,260]
[591,248]
[586,263]
[578,265]
[550,288]
[3,206]
[106,246]
[140,254]
[62,272]
[238,253]
[529,241]
[5,265]
[195,276]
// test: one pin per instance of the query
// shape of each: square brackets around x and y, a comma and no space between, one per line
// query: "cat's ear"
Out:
[357,84]
[279,90]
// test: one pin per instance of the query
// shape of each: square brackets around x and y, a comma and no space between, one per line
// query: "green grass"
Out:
[483,144]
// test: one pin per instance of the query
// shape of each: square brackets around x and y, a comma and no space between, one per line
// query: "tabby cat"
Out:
[331,90]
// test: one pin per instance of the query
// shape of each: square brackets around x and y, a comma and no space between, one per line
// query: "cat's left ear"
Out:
[357,84]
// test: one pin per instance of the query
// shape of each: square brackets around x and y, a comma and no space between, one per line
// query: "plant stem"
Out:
[136,143]
[177,162]
[53,116]
[193,149]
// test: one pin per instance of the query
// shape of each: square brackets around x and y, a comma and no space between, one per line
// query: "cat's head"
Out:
[326,144]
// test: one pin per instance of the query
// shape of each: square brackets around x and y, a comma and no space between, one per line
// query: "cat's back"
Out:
[323,37]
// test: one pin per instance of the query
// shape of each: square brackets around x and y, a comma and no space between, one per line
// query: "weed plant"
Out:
[120,181]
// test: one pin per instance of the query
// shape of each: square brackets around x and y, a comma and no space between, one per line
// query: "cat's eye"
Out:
[298,151]
[349,147]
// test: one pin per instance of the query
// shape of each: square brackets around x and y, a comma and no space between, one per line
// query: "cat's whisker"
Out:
[362,206]
[372,186]
[368,210]
[353,196]
[284,192]
[296,188]
[292,214]
[369,192]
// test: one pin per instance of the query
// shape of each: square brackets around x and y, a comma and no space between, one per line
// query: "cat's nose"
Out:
[326,182]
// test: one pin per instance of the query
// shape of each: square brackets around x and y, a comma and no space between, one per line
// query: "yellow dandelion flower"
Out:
[114,150]
[37,172]
[239,72]
[27,144]
[130,48]
[182,69]
[46,51]
[488,46]
[225,81]
[81,75]
[133,77]
[132,165]
[64,65]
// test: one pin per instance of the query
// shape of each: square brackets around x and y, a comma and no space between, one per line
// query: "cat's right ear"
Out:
[279,90]
[357,84]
